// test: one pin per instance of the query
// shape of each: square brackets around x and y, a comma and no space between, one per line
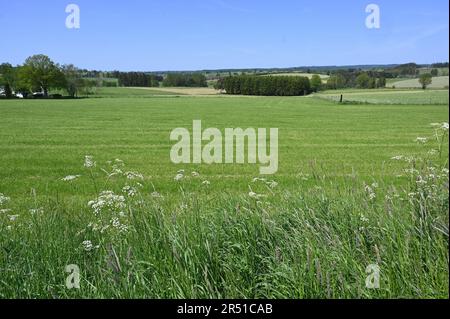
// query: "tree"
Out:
[316,83]
[39,72]
[425,80]
[434,72]
[7,78]
[381,82]
[73,79]
[363,80]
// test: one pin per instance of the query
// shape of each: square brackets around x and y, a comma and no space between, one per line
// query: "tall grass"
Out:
[315,242]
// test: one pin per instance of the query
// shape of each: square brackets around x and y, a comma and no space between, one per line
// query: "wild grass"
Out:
[406,97]
[355,187]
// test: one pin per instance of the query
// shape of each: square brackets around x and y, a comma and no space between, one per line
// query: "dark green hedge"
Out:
[267,85]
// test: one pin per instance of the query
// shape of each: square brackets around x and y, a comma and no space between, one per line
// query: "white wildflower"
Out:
[363,218]
[272,184]
[87,245]
[206,182]
[4,211]
[421,140]
[134,175]
[444,126]
[13,217]
[109,200]
[129,190]
[195,174]
[397,158]
[35,211]
[69,178]
[3,199]
[255,195]
[178,177]
[89,161]
[156,195]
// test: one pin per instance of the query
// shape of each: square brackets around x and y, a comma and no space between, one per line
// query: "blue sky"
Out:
[153,35]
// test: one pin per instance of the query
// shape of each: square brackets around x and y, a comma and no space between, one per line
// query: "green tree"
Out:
[425,80]
[381,83]
[73,79]
[316,83]
[363,80]
[434,72]
[39,72]
[7,78]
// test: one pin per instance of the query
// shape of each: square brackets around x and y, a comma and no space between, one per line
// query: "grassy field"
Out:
[308,75]
[406,97]
[354,188]
[438,82]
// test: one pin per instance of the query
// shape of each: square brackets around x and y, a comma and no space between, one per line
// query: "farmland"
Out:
[344,197]
[406,97]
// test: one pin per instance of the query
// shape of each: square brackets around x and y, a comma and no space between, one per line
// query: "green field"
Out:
[339,204]
[438,82]
[388,96]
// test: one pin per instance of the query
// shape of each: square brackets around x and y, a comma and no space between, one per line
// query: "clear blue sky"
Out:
[210,34]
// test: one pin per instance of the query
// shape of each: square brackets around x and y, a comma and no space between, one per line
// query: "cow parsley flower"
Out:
[134,175]
[13,217]
[129,190]
[87,245]
[69,178]
[3,199]
[421,140]
[107,200]
[178,177]
[89,161]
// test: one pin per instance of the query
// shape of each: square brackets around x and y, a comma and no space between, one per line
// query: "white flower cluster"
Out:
[134,175]
[370,190]
[107,200]
[89,161]
[69,178]
[271,184]
[88,245]
[3,199]
[421,140]
[129,190]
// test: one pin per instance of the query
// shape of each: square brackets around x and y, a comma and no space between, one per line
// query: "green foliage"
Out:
[425,80]
[363,81]
[41,73]
[316,83]
[267,85]
[185,80]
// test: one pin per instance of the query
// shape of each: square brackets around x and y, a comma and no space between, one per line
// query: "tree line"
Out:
[138,79]
[39,74]
[185,79]
[265,85]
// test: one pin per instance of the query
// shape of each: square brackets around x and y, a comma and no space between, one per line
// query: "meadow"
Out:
[355,187]
[388,96]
